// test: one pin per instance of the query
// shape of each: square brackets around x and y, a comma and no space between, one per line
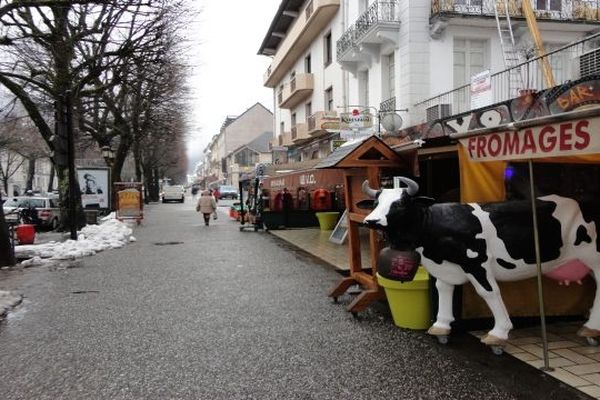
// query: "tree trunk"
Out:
[51,179]
[30,173]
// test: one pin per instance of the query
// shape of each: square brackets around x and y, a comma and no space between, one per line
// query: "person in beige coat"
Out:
[206,205]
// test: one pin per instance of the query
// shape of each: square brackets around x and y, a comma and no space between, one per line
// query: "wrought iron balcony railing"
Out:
[556,10]
[379,12]
[388,105]
[570,62]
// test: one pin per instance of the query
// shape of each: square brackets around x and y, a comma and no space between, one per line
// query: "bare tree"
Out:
[56,54]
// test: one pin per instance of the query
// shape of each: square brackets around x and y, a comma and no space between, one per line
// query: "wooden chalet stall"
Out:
[374,160]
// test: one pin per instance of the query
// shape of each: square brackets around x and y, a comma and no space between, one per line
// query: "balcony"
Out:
[300,133]
[378,25]
[310,23]
[300,87]
[568,63]
[566,10]
[388,105]
[321,122]
[285,139]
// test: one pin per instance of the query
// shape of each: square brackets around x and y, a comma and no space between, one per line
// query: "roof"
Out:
[280,24]
[260,144]
[337,155]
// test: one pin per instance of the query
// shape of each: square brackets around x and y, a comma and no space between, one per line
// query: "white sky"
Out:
[227,77]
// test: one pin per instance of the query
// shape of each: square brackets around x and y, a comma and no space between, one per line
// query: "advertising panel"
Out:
[94,184]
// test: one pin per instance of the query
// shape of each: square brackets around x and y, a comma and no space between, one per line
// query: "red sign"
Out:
[559,139]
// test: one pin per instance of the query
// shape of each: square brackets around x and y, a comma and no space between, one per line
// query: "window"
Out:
[390,78]
[329,99]
[281,127]
[307,64]
[327,58]
[308,110]
[548,5]
[469,59]
[293,120]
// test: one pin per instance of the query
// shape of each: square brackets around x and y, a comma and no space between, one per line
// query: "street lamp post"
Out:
[109,156]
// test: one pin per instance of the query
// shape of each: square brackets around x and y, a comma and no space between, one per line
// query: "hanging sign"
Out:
[356,120]
[559,139]
[481,90]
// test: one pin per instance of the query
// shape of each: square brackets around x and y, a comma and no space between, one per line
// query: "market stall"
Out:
[374,160]
[493,163]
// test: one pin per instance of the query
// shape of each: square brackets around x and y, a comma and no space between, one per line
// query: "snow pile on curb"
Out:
[111,234]
[8,301]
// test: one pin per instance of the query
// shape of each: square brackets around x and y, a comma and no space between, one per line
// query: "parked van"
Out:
[173,193]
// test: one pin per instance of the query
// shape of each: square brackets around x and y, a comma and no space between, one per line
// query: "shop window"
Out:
[578,181]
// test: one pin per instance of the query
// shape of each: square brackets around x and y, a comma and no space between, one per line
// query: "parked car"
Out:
[228,192]
[173,193]
[46,207]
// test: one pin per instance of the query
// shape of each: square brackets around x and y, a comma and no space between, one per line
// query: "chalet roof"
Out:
[369,152]
[338,155]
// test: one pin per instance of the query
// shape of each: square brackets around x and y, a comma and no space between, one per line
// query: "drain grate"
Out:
[167,243]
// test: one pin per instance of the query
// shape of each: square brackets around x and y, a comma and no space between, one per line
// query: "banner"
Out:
[575,137]
[481,90]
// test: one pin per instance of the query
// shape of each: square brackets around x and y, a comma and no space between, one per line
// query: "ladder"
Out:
[509,51]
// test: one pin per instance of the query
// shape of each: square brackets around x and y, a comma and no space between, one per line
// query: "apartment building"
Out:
[236,131]
[16,170]
[306,80]
[404,57]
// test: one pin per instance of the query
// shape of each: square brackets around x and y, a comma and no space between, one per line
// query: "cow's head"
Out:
[385,201]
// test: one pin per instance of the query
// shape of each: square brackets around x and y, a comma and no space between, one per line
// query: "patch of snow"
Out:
[8,301]
[110,234]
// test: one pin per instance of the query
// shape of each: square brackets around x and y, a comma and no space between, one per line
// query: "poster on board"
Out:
[94,184]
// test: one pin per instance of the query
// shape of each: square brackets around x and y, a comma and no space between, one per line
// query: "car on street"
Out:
[46,207]
[173,193]
[227,192]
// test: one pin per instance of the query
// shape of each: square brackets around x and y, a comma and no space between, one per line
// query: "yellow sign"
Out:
[129,202]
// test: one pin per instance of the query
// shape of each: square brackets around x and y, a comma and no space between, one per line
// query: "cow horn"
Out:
[413,187]
[372,193]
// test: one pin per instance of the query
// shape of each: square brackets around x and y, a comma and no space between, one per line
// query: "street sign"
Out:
[335,143]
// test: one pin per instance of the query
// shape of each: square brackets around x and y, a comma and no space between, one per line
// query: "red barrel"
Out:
[25,233]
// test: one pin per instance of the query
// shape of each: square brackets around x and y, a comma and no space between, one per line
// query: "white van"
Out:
[173,193]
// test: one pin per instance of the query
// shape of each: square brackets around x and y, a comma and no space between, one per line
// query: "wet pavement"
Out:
[195,312]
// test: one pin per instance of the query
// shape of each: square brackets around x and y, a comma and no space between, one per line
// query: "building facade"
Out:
[236,131]
[404,57]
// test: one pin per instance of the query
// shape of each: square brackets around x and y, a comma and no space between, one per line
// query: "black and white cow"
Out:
[486,243]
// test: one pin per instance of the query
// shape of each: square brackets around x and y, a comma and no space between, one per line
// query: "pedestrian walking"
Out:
[206,205]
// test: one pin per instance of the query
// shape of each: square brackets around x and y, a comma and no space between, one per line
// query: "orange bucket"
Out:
[25,233]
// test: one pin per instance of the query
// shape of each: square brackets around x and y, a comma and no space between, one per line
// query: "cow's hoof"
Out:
[592,341]
[588,332]
[442,339]
[493,341]
[437,331]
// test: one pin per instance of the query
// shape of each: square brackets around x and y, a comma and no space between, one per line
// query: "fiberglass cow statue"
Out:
[486,243]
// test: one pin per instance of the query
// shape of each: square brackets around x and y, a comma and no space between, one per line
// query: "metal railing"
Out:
[388,105]
[565,63]
[565,10]
[379,12]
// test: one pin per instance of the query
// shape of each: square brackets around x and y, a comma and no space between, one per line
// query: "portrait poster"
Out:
[94,184]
